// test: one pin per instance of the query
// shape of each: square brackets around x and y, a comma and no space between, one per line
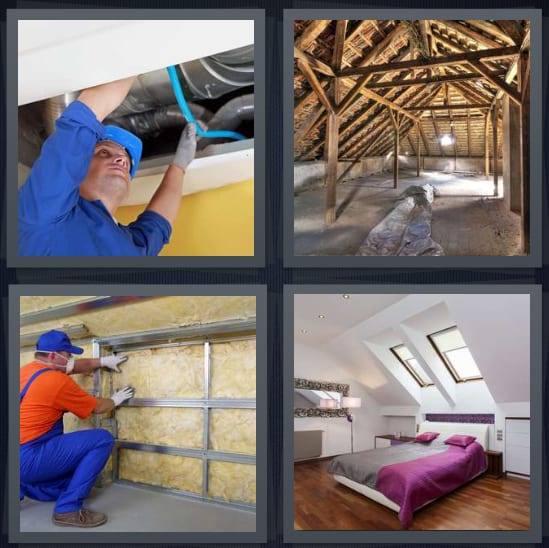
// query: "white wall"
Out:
[310,363]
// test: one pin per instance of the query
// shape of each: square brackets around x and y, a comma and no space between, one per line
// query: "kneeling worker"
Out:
[68,202]
[53,465]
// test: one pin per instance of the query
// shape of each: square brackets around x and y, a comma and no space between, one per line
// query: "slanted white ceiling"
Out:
[357,333]
[56,57]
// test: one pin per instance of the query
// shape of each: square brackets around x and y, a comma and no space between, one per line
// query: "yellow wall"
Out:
[211,223]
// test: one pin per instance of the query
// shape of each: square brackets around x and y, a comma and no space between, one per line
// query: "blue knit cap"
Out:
[130,142]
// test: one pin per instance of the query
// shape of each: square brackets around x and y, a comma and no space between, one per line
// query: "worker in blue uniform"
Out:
[55,466]
[83,174]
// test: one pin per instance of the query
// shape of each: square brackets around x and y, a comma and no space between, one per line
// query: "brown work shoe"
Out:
[80,518]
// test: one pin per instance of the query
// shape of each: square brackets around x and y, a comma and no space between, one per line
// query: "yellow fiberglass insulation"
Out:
[233,430]
[36,303]
[171,471]
[154,313]
[176,372]
[232,481]
[180,427]
[233,366]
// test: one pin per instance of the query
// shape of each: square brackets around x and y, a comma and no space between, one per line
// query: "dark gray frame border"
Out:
[533,535]
[536,155]
[256,260]
[12,495]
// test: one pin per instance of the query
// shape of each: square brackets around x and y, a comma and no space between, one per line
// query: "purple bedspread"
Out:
[415,483]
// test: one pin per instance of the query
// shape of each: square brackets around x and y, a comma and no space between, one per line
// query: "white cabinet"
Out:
[517,445]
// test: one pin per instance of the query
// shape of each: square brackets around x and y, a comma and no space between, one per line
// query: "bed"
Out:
[408,476]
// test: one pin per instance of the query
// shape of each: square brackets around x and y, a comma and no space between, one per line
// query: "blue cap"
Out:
[127,140]
[56,341]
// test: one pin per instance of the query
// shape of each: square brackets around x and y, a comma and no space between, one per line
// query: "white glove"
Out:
[186,148]
[112,362]
[122,395]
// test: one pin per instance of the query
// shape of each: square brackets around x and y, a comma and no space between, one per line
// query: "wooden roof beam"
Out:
[470,33]
[512,72]
[498,82]
[309,35]
[307,71]
[427,81]
[456,59]
[315,64]
[512,29]
[492,29]
[455,106]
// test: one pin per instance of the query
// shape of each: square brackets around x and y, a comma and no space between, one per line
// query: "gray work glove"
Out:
[186,149]
[122,395]
[112,362]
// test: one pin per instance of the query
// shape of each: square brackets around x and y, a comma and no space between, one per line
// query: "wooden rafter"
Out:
[315,64]
[426,81]
[492,29]
[498,82]
[512,29]
[471,33]
[457,59]
[309,35]
[305,68]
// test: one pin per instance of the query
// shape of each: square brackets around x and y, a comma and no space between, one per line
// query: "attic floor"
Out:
[134,509]
[466,220]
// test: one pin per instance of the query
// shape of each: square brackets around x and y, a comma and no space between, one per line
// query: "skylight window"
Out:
[453,351]
[324,395]
[406,358]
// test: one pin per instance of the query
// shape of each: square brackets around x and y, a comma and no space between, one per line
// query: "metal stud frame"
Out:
[205,335]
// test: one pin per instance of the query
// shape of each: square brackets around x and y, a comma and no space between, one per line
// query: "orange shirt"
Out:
[48,397]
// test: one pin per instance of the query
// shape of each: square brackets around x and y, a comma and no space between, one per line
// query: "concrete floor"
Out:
[467,220]
[134,509]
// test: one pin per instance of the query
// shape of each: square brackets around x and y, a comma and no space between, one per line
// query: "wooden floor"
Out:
[486,503]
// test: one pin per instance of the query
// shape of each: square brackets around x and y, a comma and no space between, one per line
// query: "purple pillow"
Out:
[460,439]
[426,436]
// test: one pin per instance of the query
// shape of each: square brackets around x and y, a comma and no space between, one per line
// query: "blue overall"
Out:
[55,220]
[62,467]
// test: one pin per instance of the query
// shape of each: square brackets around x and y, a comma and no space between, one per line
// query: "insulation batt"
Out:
[175,372]
[154,313]
[173,471]
[232,481]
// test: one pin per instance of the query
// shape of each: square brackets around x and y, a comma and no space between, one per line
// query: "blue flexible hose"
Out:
[189,116]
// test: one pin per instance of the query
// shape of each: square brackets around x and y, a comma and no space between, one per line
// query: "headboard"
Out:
[446,429]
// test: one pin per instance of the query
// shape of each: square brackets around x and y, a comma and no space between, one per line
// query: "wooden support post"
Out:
[331,169]
[495,146]
[418,149]
[396,125]
[524,72]
[486,146]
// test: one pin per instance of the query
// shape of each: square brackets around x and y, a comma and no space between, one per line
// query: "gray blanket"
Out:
[363,466]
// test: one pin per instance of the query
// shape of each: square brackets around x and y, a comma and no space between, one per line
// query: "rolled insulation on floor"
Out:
[180,427]
[232,481]
[154,313]
[233,367]
[170,471]
[176,372]
[233,430]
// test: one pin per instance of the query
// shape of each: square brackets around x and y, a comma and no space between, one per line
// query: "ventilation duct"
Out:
[217,88]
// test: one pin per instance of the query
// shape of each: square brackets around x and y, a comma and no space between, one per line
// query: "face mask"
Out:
[69,366]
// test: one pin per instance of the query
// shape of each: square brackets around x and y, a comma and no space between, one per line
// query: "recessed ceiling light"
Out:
[322,316]
[345,296]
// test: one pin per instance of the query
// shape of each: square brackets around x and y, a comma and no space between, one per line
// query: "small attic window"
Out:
[406,358]
[453,351]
